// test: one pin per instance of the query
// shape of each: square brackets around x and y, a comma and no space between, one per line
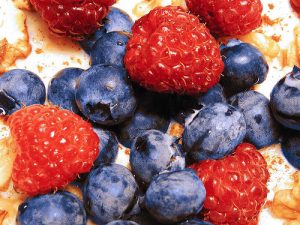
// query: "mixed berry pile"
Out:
[165,68]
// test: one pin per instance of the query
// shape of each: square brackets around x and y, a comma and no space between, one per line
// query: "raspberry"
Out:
[73,18]
[228,17]
[171,51]
[53,147]
[235,186]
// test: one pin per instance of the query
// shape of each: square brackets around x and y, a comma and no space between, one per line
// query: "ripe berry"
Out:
[73,18]
[228,17]
[236,186]
[53,147]
[171,51]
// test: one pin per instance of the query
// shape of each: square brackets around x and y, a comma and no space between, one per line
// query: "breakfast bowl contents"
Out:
[150,113]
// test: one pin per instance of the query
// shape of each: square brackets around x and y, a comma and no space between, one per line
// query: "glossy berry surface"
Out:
[214,133]
[291,148]
[110,49]
[108,146]
[61,208]
[61,89]
[105,95]
[236,186]
[228,17]
[174,196]
[245,66]
[171,51]
[285,101]
[262,128]
[116,20]
[20,88]
[122,222]
[53,146]
[154,152]
[109,193]
[195,222]
[73,18]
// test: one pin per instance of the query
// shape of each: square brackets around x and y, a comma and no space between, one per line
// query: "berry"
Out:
[20,88]
[105,96]
[122,222]
[73,18]
[290,147]
[154,152]
[109,193]
[108,147]
[171,51]
[296,4]
[228,17]
[195,222]
[61,89]
[262,128]
[245,66]
[116,20]
[144,218]
[110,49]
[52,209]
[236,186]
[53,147]
[214,133]
[175,196]
[285,101]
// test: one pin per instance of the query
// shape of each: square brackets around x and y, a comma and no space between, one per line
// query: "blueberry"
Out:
[105,96]
[20,88]
[110,193]
[110,49]
[214,133]
[108,147]
[153,152]
[285,100]
[195,222]
[244,65]
[61,208]
[61,89]
[122,222]
[262,128]
[116,20]
[144,218]
[174,196]
[291,147]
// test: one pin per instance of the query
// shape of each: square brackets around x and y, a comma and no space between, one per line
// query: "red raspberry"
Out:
[53,147]
[74,18]
[171,51]
[228,17]
[235,186]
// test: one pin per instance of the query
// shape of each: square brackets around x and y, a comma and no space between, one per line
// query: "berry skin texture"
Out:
[236,186]
[228,17]
[73,18]
[172,52]
[53,147]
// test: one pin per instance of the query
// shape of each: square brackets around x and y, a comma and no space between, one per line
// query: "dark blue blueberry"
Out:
[122,222]
[262,128]
[154,152]
[61,89]
[195,222]
[244,65]
[285,100]
[20,88]
[110,193]
[214,133]
[144,218]
[116,20]
[108,146]
[61,208]
[151,113]
[110,49]
[175,196]
[291,147]
[105,95]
